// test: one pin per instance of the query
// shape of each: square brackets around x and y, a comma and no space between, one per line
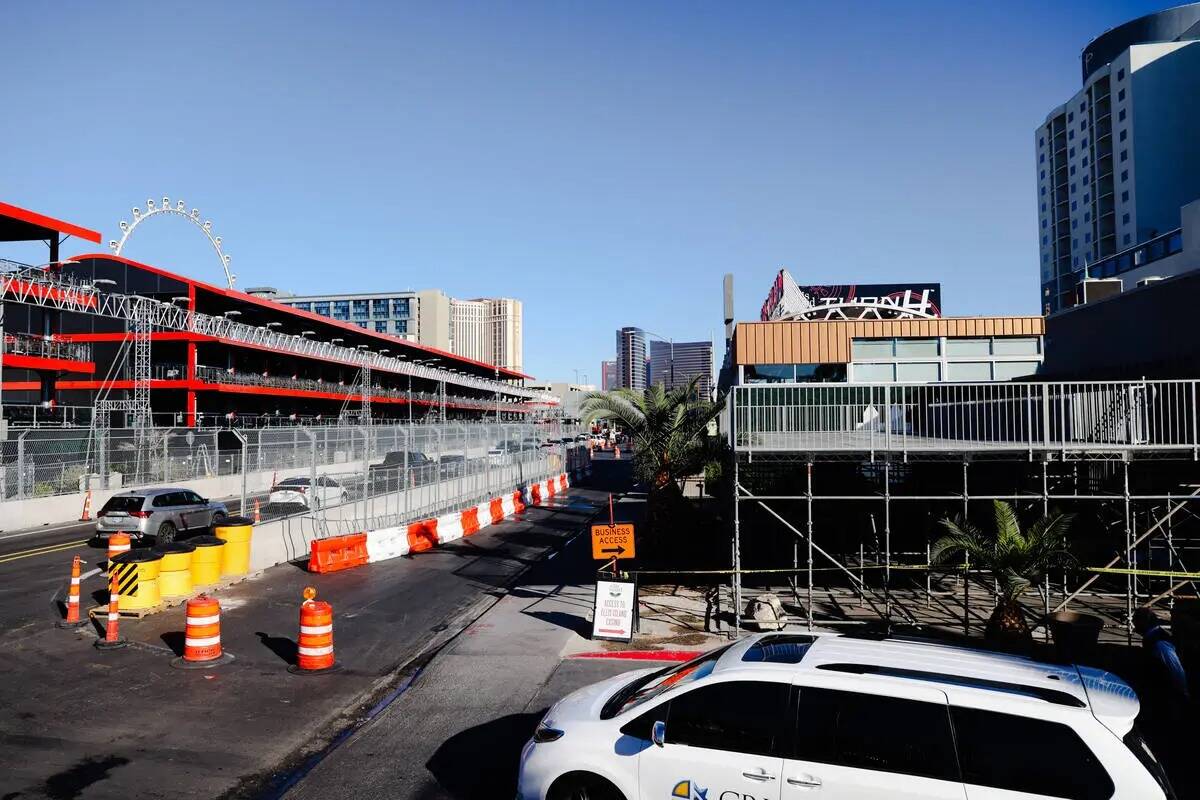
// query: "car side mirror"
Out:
[658,733]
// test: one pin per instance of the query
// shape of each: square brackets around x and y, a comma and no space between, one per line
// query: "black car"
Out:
[389,475]
[453,466]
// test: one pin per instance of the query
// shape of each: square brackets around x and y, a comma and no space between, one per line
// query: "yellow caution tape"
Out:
[1146,573]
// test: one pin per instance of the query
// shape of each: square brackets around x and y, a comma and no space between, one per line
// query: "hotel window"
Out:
[916,348]
[379,309]
[1083,143]
[872,348]
[362,324]
[1124,175]
[1042,142]
[1121,115]
[400,307]
[1043,174]
[302,306]
[360,309]
[969,371]
[1120,95]
[399,326]
[1122,135]
[1007,370]
[1074,205]
[1087,216]
[1125,196]
[1043,223]
[1072,153]
[1124,155]
[1121,74]
[1071,117]
[874,373]
[1071,135]
[321,308]
[1042,158]
[918,372]
[341,309]
[968,347]
[1086,178]
[1086,198]
[1072,169]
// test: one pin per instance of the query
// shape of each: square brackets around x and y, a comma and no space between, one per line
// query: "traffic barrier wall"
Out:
[338,553]
[470,521]
[483,514]
[422,535]
[496,508]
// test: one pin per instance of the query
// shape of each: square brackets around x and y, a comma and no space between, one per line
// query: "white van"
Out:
[795,716]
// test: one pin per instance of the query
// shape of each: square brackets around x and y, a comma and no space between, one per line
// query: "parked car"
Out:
[298,491]
[389,474]
[790,716]
[160,514]
[452,466]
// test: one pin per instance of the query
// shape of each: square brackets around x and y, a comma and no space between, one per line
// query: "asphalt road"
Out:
[75,722]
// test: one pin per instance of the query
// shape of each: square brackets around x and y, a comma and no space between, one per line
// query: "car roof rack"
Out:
[1054,696]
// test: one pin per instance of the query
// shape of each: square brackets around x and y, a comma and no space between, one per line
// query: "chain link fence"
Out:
[369,464]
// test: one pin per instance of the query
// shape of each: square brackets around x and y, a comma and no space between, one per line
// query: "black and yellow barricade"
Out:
[206,560]
[136,573]
[175,575]
[235,555]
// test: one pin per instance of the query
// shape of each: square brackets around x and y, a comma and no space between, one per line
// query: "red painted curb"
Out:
[643,655]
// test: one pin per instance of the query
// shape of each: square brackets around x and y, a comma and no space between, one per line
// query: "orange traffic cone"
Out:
[86,516]
[257,512]
[617,453]
[112,638]
[314,655]
[73,620]
[202,635]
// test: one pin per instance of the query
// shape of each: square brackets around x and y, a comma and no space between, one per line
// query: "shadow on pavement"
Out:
[281,646]
[71,782]
[173,640]
[571,622]
[492,750]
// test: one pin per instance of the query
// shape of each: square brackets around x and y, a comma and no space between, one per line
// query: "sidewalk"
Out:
[75,722]
[458,730]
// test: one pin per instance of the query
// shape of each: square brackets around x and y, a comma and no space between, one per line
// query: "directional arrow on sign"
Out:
[618,550]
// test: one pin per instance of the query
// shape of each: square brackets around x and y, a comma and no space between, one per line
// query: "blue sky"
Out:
[606,163]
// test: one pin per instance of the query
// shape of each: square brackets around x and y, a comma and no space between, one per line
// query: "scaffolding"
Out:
[848,481]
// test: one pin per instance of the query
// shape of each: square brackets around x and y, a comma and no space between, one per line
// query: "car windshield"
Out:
[1134,741]
[125,504]
[294,482]
[650,686]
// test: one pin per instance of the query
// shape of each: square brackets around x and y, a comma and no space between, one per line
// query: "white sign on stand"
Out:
[615,610]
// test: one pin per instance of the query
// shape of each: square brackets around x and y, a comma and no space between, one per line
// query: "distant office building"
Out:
[485,329]
[675,364]
[570,395]
[631,359]
[608,375]
[382,312]
[1117,161]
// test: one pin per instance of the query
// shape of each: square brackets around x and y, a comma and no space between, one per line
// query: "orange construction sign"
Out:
[612,541]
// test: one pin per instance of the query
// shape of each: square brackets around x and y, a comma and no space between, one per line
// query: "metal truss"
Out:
[31,286]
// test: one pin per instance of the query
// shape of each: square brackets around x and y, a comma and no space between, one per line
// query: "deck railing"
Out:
[951,417]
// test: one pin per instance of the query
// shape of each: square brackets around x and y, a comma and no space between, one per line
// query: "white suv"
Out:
[828,717]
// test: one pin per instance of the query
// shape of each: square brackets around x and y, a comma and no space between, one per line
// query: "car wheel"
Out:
[583,786]
[218,518]
[166,534]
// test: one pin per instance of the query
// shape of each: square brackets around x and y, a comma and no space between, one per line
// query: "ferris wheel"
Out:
[178,210]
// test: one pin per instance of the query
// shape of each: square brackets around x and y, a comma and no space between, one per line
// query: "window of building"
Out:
[1071,116]
[1086,198]
[1074,223]
[341,309]
[1085,180]
[769,373]
[1042,158]
[968,347]
[866,731]
[1085,159]
[735,716]
[1124,155]
[399,326]
[1126,239]
[1120,96]
[1121,136]
[380,309]
[1043,223]
[874,373]
[1072,188]
[400,307]
[362,324]
[1043,191]
[1121,115]
[1043,207]
[1087,216]
[1072,151]
[1124,175]
[1076,262]
[1042,142]
[1008,370]
[1071,135]
[1074,205]
[1124,219]
[872,348]
[381,327]
[960,371]
[915,348]
[359,307]
[321,308]
[1072,169]
[1043,174]
[1054,761]
[1083,143]
[302,306]
[1125,196]
[1121,74]
[918,372]
[1082,106]
[1075,246]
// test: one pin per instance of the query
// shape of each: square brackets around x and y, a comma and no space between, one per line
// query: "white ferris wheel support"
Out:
[179,210]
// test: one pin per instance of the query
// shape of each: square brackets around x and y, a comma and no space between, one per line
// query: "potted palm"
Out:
[1018,559]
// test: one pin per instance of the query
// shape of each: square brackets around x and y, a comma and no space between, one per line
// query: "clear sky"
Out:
[606,163]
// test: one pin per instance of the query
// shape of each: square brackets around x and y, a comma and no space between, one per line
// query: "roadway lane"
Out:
[125,724]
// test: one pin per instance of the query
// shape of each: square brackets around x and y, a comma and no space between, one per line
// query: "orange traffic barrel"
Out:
[314,655]
[117,543]
[202,635]
[72,620]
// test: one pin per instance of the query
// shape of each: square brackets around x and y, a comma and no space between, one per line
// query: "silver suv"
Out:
[158,513]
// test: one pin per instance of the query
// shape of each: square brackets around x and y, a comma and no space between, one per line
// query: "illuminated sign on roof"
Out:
[788,300]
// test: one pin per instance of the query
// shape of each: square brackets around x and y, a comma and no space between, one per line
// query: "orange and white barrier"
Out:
[86,516]
[202,635]
[117,543]
[112,635]
[314,651]
[72,620]
[415,537]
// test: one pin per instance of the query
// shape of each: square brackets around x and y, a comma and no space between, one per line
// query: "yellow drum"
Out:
[236,532]
[206,560]
[137,573]
[175,570]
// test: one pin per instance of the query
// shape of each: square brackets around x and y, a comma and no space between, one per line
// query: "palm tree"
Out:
[1017,560]
[668,431]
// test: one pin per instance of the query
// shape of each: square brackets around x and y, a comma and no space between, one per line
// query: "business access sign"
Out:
[789,300]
